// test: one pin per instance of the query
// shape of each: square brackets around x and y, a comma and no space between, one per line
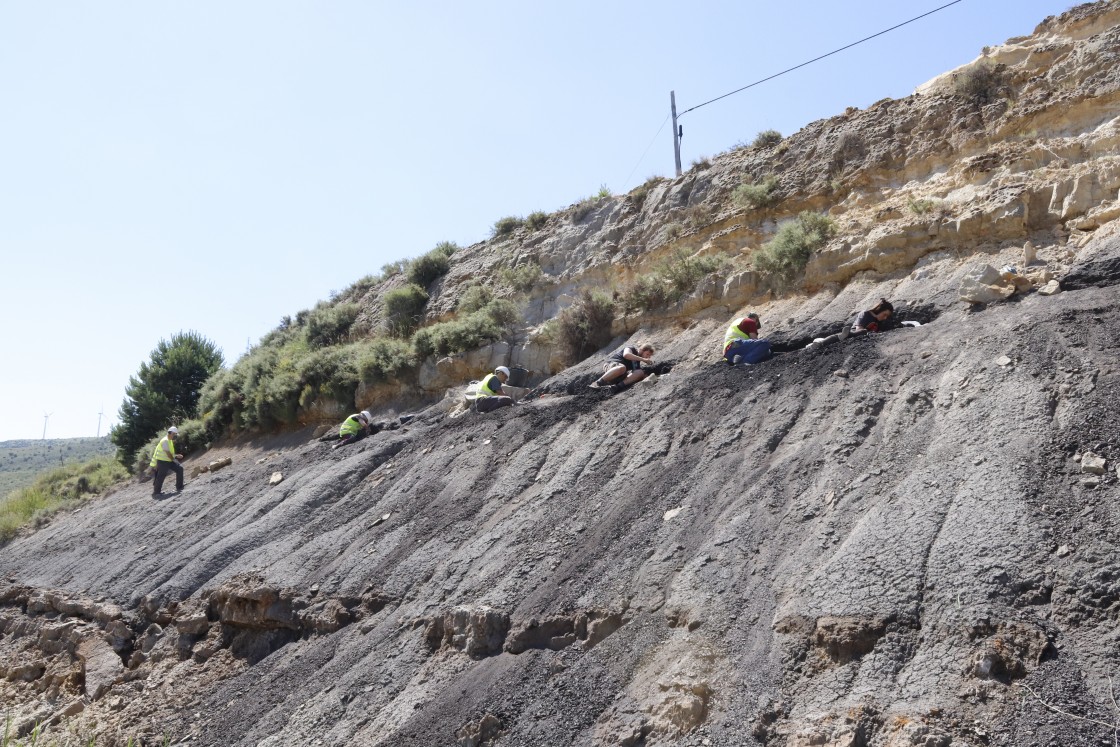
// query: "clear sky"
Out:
[214,166]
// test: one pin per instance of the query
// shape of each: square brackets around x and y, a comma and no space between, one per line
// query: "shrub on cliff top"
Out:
[506,226]
[979,83]
[767,138]
[427,268]
[784,257]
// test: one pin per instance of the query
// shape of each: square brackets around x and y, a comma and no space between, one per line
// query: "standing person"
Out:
[741,343]
[490,395]
[865,321]
[624,367]
[164,459]
[354,428]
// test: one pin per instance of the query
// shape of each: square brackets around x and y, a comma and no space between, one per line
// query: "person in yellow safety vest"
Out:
[490,395]
[741,343]
[354,428]
[165,460]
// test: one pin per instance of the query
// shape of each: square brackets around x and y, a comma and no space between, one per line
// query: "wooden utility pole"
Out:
[676,132]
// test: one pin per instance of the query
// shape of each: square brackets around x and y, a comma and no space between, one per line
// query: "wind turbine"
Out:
[99,420]
[46,416]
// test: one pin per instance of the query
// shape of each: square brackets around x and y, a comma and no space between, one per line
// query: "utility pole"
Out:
[676,131]
[46,416]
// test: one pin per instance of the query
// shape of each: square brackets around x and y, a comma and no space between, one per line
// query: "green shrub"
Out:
[521,278]
[922,206]
[583,208]
[329,373]
[536,220]
[474,330]
[979,83]
[506,226]
[57,489]
[767,138]
[603,193]
[165,390]
[585,326]
[404,309]
[359,288]
[784,257]
[671,280]
[699,215]
[427,268]
[384,359]
[754,196]
[330,324]
[474,298]
[396,267]
[641,192]
[703,162]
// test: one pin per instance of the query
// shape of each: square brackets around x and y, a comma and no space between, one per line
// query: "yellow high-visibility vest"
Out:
[484,389]
[159,455]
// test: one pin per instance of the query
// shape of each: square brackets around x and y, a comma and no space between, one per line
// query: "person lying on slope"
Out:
[624,367]
[865,321]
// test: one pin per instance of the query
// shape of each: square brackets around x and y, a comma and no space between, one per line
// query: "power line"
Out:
[816,59]
[642,158]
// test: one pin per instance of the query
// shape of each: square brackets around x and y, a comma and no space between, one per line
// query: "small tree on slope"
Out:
[164,391]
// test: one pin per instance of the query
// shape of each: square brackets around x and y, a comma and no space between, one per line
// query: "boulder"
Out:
[985,285]
[1093,464]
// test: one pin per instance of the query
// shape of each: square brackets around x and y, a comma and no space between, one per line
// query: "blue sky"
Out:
[215,166]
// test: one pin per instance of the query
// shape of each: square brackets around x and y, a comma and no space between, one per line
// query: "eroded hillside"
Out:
[902,540]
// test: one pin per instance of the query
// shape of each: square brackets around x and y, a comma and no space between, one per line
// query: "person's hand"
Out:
[179,457]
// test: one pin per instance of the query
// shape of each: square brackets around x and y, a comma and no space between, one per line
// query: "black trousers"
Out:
[162,468]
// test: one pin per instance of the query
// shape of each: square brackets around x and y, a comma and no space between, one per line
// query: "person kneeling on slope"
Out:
[624,367]
[741,343]
[164,461]
[865,321]
[354,428]
[490,395]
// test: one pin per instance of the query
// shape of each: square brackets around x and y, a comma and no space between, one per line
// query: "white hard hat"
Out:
[502,370]
[365,414]
[174,430]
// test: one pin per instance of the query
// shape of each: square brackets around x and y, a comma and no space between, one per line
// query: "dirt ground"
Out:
[893,541]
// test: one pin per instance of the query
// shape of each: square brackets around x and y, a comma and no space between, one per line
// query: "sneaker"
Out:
[594,385]
[157,495]
[736,360]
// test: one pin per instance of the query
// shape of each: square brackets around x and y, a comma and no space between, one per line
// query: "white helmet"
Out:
[364,415]
[174,430]
[502,370]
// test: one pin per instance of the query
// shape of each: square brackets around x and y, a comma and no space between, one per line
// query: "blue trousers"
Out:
[749,351]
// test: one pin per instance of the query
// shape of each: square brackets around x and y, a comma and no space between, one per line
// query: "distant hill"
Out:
[23,460]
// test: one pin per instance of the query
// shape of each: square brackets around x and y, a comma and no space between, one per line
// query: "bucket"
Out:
[518,376]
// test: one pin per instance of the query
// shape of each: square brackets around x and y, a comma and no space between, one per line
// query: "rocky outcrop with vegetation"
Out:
[906,539]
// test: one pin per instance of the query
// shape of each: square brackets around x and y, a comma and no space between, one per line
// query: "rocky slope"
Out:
[907,539]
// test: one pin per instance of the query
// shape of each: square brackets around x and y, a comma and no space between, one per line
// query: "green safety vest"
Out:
[350,426]
[484,389]
[733,334]
[159,455]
